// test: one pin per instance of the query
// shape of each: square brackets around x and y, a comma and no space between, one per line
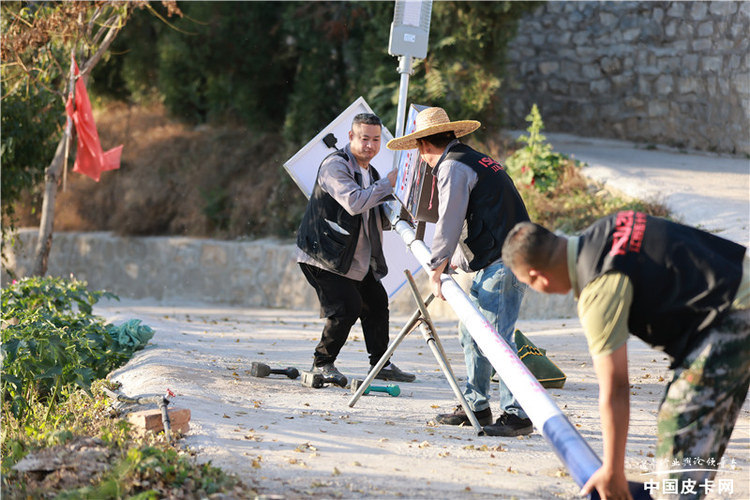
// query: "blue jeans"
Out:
[498,295]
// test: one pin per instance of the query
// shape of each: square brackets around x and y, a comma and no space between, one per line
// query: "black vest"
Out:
[494,207]
[334,249]
[684,280]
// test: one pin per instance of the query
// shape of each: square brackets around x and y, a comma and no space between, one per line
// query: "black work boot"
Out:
[509,425]
[392,372]
[459,417]
[330,372]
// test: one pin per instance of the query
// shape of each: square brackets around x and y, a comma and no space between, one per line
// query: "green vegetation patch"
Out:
[556,194]
[59,437]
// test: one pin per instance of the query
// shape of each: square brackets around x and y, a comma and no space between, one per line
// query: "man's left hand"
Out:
[435,280]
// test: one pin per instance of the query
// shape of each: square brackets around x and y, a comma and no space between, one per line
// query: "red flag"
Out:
[90,159]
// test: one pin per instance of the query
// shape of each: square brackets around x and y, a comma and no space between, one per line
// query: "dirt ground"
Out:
[288,441]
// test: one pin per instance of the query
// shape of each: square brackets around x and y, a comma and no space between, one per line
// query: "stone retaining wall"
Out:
[260,273]
[674,73]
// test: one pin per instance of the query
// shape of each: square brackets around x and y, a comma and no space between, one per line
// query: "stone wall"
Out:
[261,273]
[674,73]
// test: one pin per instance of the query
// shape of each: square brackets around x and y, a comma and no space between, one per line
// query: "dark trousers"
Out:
[342,302]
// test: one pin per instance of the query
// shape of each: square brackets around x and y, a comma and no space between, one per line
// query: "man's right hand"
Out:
[392,175]
[609,485]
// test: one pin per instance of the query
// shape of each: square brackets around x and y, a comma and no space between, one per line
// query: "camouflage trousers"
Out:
[700,408]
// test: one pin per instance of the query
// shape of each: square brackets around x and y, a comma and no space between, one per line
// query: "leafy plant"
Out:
[55,355]
[575,202]
[51,342]
[535,164]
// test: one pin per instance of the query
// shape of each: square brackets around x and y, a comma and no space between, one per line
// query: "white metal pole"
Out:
[405,68]
[575,453]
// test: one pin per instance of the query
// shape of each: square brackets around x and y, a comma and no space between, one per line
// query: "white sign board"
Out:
[303,168]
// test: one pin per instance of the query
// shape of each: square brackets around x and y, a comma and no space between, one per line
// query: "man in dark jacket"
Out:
[477,205]
[340,248]
[681,290]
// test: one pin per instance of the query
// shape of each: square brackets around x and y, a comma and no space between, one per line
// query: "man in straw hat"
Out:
[340,249]
[478,205]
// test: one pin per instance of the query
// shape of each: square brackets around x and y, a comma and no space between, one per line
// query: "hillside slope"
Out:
[223,182]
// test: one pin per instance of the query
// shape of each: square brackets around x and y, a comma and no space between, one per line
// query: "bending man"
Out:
[681,290]
[478,204]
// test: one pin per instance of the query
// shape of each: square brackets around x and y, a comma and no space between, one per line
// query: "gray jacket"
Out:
[338,178]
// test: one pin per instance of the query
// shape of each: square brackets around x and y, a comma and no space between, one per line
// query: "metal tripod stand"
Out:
[421,319]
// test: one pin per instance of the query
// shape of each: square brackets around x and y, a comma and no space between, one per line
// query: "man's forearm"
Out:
[614,412]
[614,409]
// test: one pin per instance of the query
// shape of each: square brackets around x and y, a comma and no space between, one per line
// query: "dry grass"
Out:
[176,180]
[229,183]
[576,202]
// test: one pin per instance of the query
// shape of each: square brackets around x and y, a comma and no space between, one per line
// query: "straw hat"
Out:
[432,121]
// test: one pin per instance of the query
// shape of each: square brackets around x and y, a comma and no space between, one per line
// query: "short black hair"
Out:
[441,139]
[531,244]
[366,119]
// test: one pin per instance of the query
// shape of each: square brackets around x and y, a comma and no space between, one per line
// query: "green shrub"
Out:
[51,342]
[555,192]
[535,164]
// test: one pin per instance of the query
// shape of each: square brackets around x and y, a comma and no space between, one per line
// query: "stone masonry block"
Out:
[698,10]
[150,420]
[723,8]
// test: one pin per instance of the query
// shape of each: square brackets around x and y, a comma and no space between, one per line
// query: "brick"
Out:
[150,420]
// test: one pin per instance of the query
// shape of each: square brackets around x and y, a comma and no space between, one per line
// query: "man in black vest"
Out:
[477,205]
[683,291]
[341,252]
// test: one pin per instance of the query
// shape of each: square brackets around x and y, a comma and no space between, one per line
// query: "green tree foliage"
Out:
[32,101]
[465,63]
[129,70]
[340,49]
[291,67]
[225,60]
[31,130]
[37,41]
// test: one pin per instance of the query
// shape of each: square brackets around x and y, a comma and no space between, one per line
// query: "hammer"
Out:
[262,370]
[391,389]
[317,380]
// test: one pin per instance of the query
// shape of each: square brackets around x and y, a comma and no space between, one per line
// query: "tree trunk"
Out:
[51,176]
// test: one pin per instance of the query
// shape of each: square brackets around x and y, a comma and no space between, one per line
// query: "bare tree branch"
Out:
[106,42]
